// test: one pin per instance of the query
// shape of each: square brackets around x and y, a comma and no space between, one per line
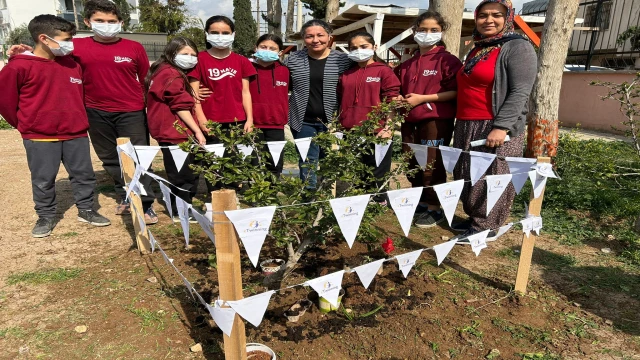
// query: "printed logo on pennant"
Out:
[348,212]
[406,261]
[404,203]
[519,168]
[303,147]
[328,286]
[449,194]
[478,241]
[538,181]
[252,226]
[480,162]
[536,224]
[450,157]
[527,225]
[496,185]
[367,272]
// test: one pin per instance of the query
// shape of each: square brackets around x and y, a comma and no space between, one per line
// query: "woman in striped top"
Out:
[314,79]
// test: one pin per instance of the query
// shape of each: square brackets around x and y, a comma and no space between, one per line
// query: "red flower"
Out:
[387,246]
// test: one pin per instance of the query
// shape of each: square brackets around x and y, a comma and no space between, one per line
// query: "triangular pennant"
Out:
[223,317]
[205,224]
[450,157]
[442,250]
[421,153]
[348,212]
[143,224]
[406,261]
[187,283]
[204,303]
[209,213]
[245,150]
[152,241]
[303,147]
[536,225]
[146,154]
[527,225]
[328,286]
[503,230]
[545,169]
[538,181]
[496,185]
[183,212]
[478,241]
[179,156]
[135,181]
[339,135]
[519,168]
[166,258]
[381,151]
[128,149]
[367,272]
[166,197]
[252,226]
[252,308]
[480,162]
[216,149]
[275,148]
[404,203]
[449,194]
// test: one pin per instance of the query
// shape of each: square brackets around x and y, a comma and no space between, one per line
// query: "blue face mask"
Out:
[266,55]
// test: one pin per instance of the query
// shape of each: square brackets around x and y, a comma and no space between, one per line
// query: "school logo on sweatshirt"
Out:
[373,79]
[217,74]
[121,59]
[75,80]
[430,73]
[281,83]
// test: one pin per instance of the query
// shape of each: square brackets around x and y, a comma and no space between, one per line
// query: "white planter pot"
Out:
[260,347]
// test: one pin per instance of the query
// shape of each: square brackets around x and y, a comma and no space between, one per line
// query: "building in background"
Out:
[14,13]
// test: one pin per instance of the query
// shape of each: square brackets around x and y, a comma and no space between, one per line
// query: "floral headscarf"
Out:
[485,45]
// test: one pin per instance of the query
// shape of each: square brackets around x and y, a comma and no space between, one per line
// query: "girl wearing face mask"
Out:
[429,86]
[270,93]
[360,89]
[170,99]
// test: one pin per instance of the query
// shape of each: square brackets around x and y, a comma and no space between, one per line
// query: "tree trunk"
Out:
[274,17]
[291,6]
[452,11]
[75,14]
[333,6]
[542,134]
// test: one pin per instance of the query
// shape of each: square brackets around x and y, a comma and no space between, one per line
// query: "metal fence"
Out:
[154,50]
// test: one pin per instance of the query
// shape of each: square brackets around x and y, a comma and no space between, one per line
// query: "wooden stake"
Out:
[528,242]
[128,169]
[229,275]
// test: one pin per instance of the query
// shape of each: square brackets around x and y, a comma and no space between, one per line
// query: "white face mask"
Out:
[106,30]
[425,39]
[360,55]
[65,47]
[186,61]
[220,41]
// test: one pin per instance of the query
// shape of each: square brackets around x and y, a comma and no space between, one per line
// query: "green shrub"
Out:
[4,125]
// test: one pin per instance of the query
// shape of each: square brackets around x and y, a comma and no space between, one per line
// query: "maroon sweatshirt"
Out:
[270,96]
[43,98]
[166,96]
[360,89]
[431,73]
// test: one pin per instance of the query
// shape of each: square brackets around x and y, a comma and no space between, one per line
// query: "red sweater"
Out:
[475,91]
[431,73]
[114,73]
[270,96]
[167,95]
[360,89]
[43,98]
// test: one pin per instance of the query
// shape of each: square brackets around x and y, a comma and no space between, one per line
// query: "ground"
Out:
[582,302]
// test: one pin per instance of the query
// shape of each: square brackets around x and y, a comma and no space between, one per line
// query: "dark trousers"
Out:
[379,172]
[226,128]
[105,128]
[309,166]
[271,135]
[431,132]
[186,178]
[44,159]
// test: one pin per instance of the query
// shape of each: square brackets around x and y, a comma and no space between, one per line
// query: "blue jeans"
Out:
[308,168]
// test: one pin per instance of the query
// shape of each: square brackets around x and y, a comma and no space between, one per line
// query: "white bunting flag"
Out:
[503,230]
[421,154]
[152,241]
[204,303]
[328,286]
[303,147]
[450,157]
[480,162]
[205,224]
[128,149]
[496,185]
[166,258]
[519,168]
[209,213]
[449,194]
[134,184]
[223,317]
[245,150]
[252,226]
[406,261]
[252,308]
[536,225]
[275,148]
[183,212]
[348,212]
[538,181]
[187,283]
[143,224]
[179,156]
[478,241]
[546,170]
[527,225]
[367,272]
[339,135]
[442,250]
[146,154]
[166,197]
[216,149]
[404,203]
[381,151]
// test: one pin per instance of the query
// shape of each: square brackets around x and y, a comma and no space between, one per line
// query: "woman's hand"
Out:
[385,133]
[203,127]
[203,93]
[496,138]
[18,49]
[248,126]
[201,139]
[414,99]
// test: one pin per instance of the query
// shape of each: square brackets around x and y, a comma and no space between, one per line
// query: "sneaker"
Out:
[43,227]
[429,219]
[123,208]
[192,220]
[92,217]
[421,209]
[461,227]
[463,239]
[492,236]
[150,217]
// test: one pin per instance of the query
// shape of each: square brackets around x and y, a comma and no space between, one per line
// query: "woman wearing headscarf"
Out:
[493,91]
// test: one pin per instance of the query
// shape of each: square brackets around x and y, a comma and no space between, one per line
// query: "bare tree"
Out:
[333,6]
[75,14]
[542,135]
[291,5]
[452,11]
[274,17]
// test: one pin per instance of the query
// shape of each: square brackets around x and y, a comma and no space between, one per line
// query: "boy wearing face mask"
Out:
[429,86]
[53,129]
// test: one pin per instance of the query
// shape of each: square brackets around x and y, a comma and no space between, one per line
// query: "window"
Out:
[605,15]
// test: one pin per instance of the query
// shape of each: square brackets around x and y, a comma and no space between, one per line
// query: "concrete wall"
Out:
[580,102]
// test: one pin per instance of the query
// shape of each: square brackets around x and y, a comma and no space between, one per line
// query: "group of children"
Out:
[104,83]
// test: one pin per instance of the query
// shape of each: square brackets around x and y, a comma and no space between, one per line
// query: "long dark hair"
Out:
[216,19]
[431,14]
[275,38]
[369,38]
[170,51]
